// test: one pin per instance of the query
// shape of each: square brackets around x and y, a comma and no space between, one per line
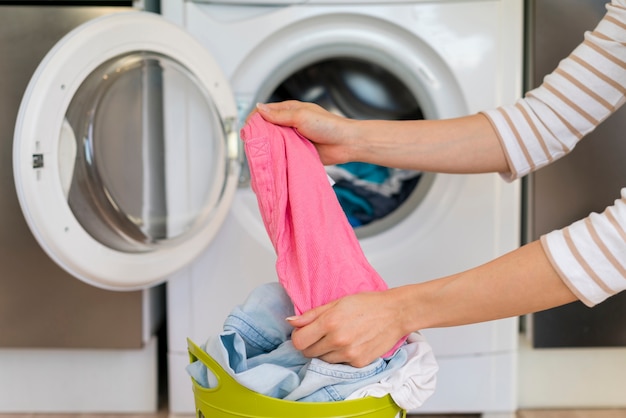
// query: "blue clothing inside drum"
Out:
[368,192]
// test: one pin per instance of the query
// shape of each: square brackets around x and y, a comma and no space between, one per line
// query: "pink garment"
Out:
[319,258]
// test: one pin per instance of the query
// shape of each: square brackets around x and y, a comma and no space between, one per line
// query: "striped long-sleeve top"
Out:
[586,88]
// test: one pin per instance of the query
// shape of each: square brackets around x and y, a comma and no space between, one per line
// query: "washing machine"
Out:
[368,59]
[129,172]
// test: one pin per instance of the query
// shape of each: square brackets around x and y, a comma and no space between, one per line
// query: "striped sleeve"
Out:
[585,89]
[590,254]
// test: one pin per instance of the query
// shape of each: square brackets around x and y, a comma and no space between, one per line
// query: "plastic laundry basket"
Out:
[230,399]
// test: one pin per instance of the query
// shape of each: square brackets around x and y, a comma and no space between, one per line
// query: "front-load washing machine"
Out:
[368,59]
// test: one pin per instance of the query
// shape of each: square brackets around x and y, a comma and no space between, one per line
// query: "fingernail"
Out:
[291,318]
[262,106]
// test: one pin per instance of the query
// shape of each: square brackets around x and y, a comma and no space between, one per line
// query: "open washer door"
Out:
[126,155]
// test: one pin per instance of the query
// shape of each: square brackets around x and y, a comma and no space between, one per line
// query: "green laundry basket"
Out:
[229,399]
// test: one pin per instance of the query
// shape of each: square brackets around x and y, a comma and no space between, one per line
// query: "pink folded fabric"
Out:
[319,258]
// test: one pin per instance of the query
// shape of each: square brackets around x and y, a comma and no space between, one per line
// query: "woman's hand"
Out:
[329,133]
[355,330]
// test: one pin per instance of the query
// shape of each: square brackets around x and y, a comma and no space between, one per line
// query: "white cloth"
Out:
[411,385]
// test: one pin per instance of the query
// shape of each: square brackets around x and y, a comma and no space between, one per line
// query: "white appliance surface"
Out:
[79,380]
[457,57]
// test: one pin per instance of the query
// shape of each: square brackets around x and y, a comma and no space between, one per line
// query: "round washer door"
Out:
[125,155]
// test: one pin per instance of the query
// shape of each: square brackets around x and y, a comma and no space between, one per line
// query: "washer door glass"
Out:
[134,176]
[126,157]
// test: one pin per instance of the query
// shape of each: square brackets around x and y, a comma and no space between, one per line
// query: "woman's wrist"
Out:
[412,308]
[355,139]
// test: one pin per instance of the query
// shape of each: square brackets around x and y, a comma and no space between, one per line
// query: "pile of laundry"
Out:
[369,192]
[319,259]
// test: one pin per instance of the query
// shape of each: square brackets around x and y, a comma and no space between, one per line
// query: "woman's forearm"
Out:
[358,328]
[520,282]
[464,145]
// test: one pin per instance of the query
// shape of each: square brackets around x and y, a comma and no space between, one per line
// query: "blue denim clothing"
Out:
[255,348]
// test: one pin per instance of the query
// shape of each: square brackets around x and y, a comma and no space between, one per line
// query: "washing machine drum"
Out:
[125,155]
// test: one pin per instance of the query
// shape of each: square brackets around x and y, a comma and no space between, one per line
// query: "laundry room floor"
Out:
[608,413]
